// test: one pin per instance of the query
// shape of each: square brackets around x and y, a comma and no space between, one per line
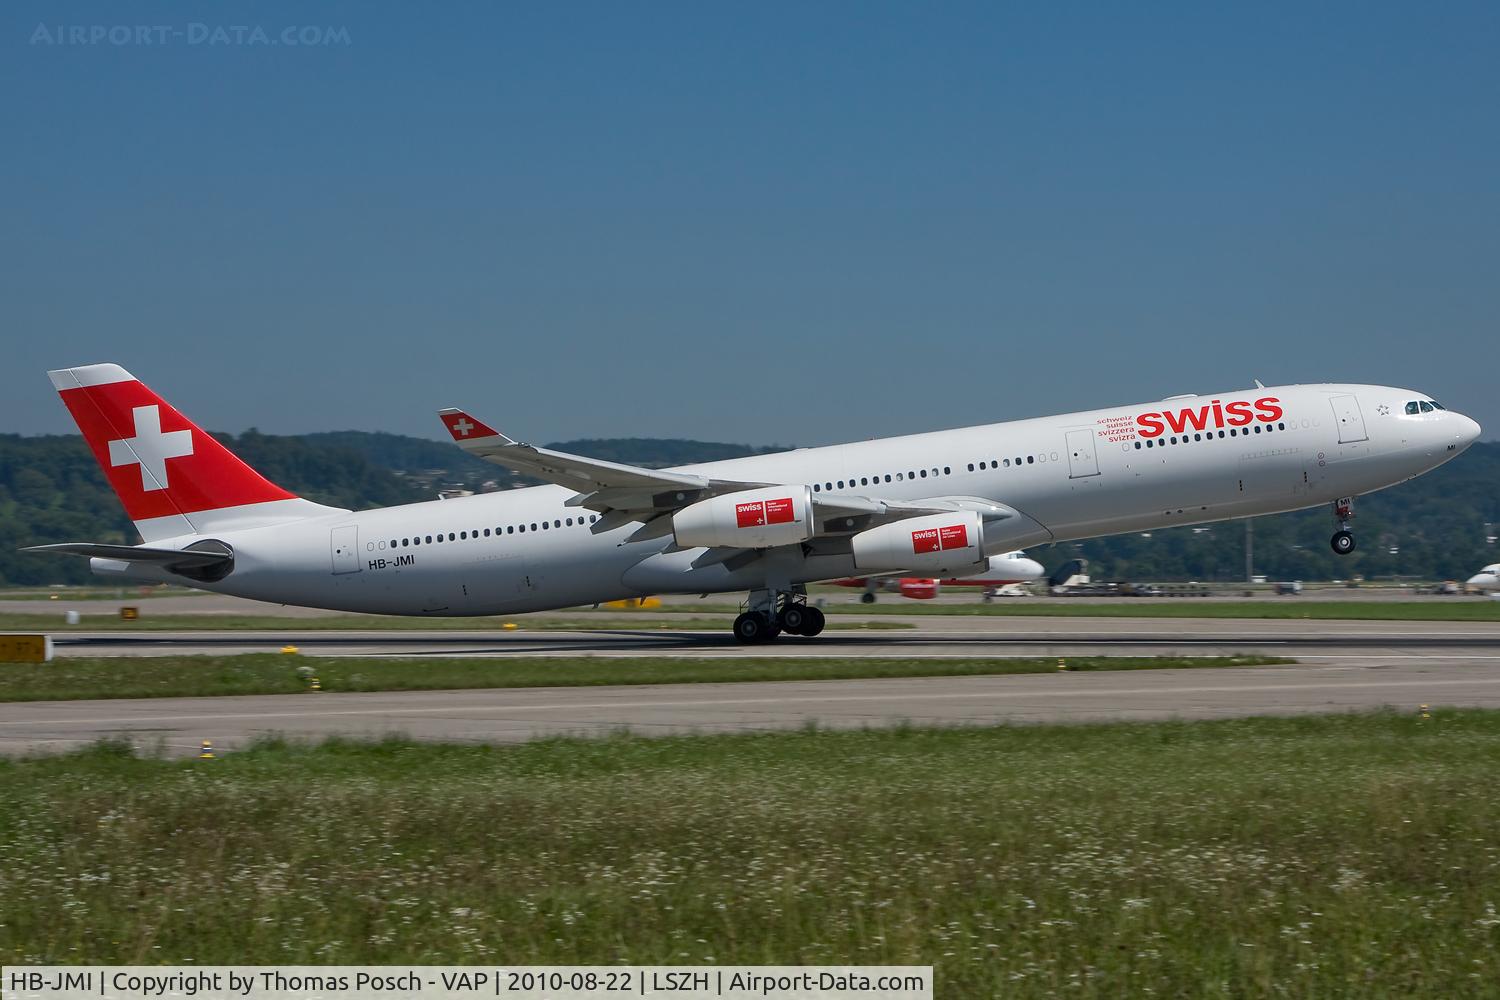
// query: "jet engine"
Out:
[939,544]
[751,519]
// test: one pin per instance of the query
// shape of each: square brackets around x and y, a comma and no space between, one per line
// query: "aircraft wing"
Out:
[627,493]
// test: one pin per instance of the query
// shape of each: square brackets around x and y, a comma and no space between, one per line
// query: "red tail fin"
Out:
[172,477]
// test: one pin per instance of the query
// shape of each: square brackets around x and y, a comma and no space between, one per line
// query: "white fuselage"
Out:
[1072,476]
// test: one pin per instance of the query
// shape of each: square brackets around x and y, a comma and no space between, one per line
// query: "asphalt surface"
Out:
[1344,666]
[178,724]
[929,635]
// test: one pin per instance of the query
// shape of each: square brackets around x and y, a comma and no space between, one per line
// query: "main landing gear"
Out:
[774,614]
[1342,542]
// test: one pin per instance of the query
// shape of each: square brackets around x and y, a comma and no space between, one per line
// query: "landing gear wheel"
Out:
[867,598]
[815,622]
[1342,542]
[752,627]
[793,618]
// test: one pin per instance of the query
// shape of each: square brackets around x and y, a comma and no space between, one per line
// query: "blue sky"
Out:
[763,223]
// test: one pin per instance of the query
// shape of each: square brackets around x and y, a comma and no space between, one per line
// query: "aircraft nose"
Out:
[1468,430]
[1033,569]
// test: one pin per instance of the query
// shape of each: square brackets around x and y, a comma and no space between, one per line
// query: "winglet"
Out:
[465,427]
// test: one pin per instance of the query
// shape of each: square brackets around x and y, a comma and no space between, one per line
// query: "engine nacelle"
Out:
[753,519]
[939,544]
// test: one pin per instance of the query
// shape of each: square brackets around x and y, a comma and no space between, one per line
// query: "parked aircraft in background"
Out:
[1486,579]
[935,505]
[1002,571]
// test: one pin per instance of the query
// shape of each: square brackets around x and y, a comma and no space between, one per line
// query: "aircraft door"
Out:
[1351,422]
[1082,460]
[344,548]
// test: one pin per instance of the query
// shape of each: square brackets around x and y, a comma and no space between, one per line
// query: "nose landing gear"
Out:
[1342,542]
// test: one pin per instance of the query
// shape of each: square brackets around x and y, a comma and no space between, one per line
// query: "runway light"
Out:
[289,648]
[1062,663]
[315,684]
[510,626]
[206,750]
[1425,713]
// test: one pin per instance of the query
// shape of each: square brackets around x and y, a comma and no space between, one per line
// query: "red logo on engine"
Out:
[750,515]
[952,536]
[762,512]
[780,511]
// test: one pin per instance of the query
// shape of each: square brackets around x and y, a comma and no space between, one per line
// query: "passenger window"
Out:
[510,529]
[1221,434]
[947,471]
[1197,437]
[863,481]
[1030,459]
[887,477]
[924,473]
[1007,463]
[981,465]
[464,535]
[557,523]
[971,466]
[1137,446]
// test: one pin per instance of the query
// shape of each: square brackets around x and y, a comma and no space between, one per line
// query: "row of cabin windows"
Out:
[888,477]
[946,470]
[510,529]
[1209,435]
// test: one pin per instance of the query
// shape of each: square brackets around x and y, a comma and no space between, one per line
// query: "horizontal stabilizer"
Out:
[173,558]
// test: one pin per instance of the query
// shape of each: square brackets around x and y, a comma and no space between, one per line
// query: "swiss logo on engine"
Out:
[953,536]
[763,512]
[750,515]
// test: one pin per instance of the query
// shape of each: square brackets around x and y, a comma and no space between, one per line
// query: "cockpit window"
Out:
[1412,407]
[1426,406]
[1438,406]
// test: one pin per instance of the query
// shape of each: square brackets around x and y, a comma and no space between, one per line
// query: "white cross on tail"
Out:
[150,448]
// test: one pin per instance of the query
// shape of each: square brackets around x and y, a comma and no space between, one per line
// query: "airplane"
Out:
[1486,579]
[936,504]
[1000,571]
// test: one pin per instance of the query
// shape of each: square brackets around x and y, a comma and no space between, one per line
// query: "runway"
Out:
[1343,666]
[511,715]
[928,636]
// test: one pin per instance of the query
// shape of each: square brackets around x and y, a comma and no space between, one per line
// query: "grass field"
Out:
[1347,856]
[75,677]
